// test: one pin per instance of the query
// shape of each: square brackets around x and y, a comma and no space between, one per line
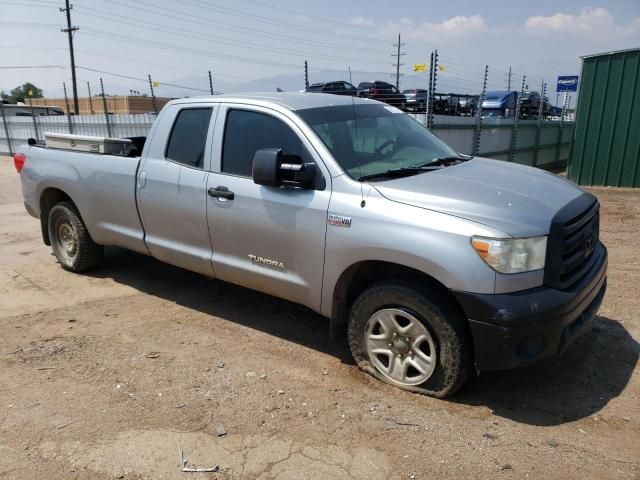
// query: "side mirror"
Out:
[272,168]
[265,166]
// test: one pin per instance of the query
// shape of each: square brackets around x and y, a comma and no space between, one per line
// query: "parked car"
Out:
[442,266]
[383,92]
[530,105]
[22,110]
[416,99]
[446,104]
[499,104]
[468,105]
[337,88]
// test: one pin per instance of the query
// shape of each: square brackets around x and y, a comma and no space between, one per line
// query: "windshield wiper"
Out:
[397,172]
[436,164]
[443,161]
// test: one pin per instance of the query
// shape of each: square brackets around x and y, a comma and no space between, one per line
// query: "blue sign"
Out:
[567,83]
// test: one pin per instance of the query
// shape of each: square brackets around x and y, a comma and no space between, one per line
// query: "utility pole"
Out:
[509,75]
[306,75]
[350,81]
[210,83]
[398,64]
[69,31]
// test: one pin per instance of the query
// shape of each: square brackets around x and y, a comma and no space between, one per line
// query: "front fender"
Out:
[433,243]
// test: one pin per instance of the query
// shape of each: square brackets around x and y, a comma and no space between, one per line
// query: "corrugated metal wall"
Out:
[606,142]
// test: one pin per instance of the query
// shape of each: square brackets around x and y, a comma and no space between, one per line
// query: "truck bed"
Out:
[103,187]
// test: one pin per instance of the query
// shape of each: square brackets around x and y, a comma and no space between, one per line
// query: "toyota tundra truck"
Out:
[435,265]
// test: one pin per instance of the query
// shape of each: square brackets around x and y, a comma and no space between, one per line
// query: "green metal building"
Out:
[606,141]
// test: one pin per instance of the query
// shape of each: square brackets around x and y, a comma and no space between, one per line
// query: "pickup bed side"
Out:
[101,186]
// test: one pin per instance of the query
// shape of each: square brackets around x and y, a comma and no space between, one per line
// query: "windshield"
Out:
[371,139]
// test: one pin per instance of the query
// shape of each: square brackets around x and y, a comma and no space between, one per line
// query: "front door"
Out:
[172,193]
[266,238]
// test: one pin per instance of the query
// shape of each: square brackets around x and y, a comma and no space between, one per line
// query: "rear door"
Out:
[172,181]
[265,238]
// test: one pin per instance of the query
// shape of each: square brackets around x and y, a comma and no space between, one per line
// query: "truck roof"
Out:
[290,100]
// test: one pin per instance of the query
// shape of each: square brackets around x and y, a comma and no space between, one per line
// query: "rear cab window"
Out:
[188,137]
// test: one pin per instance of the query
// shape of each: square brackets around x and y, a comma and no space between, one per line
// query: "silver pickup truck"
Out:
[435,265]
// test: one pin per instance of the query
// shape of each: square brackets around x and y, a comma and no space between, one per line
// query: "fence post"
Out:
[434,85]
[479,121]
[561,128]
[66,101]
[516,121]
[429,94]
[90,99]
[35,120]
[543,87]
[6,128]
[106,110]
[153,96]
[210,83]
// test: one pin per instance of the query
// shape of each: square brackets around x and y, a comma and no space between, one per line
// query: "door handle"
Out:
[221,192]
[142,179]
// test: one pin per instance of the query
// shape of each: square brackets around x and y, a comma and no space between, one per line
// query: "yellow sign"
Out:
[155,84]
[419,67]
[30,93]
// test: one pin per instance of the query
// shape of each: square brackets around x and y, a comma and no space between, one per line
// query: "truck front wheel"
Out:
[71,243]
[410,338]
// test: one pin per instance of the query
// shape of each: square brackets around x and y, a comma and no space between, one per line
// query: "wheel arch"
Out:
[49,197]
[360,275]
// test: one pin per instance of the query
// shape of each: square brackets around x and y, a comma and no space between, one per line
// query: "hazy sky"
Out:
[243,40]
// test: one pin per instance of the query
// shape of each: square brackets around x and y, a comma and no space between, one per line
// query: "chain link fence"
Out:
[518,130]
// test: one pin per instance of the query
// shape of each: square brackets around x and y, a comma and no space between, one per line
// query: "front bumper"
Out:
[520,328]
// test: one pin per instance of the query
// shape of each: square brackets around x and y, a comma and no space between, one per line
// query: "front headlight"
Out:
[512,255]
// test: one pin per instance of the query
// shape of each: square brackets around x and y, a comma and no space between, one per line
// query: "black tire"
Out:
[443,321]
[64,219]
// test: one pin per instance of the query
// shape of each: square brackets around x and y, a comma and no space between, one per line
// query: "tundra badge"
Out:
[266,261]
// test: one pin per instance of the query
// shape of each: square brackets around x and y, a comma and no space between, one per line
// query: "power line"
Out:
[29,4]
[115,57]
[129,77]
[314,17]
[29,25]
[217,40]
[222,25]
[137,41]
[32,66]
[279,23]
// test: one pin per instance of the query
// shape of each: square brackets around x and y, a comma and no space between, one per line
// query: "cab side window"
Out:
[189,137]
[246,132]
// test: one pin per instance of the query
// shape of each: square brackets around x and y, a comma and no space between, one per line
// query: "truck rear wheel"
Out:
[410,339]
[71,243]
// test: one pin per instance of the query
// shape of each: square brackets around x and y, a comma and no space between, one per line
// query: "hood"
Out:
[519,200]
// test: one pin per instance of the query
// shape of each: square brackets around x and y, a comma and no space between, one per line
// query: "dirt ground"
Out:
[106,375]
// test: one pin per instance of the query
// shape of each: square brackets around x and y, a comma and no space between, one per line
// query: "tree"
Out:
[21,93]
